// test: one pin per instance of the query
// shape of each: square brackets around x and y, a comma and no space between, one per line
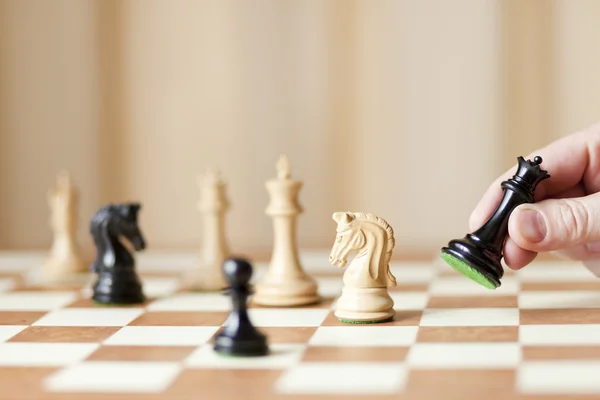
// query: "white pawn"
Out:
[365,297]
[213,205]
[65,258]
[285,284]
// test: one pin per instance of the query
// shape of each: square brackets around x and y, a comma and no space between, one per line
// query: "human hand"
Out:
[565,218]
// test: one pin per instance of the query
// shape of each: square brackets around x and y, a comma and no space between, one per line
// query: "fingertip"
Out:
[515,257]
[528,228]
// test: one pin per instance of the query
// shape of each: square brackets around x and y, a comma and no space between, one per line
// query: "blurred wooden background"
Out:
[406,109]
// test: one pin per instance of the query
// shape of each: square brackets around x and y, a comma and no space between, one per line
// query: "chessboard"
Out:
[535,337]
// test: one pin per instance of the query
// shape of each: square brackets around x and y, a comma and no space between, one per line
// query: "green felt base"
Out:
[468,271]
[351,321]
[98,303]
[230,355]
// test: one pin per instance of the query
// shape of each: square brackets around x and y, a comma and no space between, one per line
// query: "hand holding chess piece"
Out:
[65,258]
[365,297]
[478,255]
[563,219]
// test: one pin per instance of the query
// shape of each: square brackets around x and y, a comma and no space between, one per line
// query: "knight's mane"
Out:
[100,217]
[391,241]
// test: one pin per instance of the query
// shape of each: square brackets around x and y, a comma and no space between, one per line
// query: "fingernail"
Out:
[533,226]
[593,247]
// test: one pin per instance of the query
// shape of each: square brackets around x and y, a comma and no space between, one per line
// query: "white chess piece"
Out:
[213,205]
[286,283]
[364,296]
[64,259]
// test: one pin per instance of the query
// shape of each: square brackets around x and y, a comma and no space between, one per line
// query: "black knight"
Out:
[117,282]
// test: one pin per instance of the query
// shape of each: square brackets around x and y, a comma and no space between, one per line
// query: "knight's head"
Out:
[127,224]
[348,238]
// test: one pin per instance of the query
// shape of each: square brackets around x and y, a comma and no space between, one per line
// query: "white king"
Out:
[286,283]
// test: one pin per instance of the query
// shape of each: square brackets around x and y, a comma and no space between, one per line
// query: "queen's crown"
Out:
[530,172]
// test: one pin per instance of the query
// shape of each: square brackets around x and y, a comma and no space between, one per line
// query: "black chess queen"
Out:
[117,281]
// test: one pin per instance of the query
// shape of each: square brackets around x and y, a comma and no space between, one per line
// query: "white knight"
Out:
[364,298]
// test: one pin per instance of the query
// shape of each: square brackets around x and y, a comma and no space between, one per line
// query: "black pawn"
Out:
[481,251]
[238,336]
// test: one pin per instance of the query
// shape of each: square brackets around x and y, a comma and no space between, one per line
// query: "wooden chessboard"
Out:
[536,337]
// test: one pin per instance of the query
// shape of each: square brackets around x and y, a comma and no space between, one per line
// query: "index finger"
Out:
[572,159]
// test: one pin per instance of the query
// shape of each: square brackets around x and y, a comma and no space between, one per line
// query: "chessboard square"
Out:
[412,272]
[35,300]
[559,299]
[461,286]
[539,272]
[162,335]
[464,355]
[364,335]
[192,302]
[470,317]
[90,317]
[330,378]
[23,383]
[9,331]
[560,286]
[409,300]
[560,316]
[468,334]
[467,384]
[180,318]
[141,353]
[281,355]
[222,384]
[572,335]
[280,334]
[114,377]
[65,334]
[561,353]
[20,317]
[44,354]
[565,377]
[355,354]
[159,287]
[6,284]
[287,317]
[473,302]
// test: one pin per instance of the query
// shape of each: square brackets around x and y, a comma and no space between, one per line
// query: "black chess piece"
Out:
[478,255]
[117,282]
[238,336]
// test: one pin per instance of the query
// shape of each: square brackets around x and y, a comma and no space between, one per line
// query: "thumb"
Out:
[556,224]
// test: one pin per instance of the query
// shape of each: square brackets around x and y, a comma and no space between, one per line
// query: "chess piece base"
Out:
[365,305]
[121,287]
[288,292]
[482,264]
[248,347]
